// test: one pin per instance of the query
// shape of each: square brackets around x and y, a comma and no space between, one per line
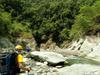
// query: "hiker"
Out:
[28,49]
[21,65]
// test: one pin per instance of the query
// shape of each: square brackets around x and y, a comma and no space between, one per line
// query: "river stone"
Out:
[50,57]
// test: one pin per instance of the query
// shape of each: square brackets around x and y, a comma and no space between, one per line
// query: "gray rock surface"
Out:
[5,43]
[88,45]
[40,68]
[51,57]
[80,69]
[95,54]
[76,44]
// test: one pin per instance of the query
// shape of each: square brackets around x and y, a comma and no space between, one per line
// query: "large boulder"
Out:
[50,57]
[80,69]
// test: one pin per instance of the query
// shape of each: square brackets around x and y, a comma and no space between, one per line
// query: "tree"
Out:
[5,21]
[87,22]
[45,19]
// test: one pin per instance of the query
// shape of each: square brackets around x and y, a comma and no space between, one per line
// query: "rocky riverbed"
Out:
[81,58]
[74,66]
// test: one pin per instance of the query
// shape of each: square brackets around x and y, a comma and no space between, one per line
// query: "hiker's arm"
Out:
[21,66]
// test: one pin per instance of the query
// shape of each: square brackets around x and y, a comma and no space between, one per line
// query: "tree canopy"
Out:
[60,20]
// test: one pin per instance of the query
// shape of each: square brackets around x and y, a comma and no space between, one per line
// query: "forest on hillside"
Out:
[61,20]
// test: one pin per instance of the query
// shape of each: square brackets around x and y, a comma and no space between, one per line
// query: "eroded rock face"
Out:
[95,54]
[76,44]
[50,57]
[5,43]
[89,44]
[89,47]
[93,46]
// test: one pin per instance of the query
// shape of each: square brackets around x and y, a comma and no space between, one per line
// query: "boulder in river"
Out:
[50,57]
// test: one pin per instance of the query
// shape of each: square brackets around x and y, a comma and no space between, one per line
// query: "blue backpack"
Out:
[9,64]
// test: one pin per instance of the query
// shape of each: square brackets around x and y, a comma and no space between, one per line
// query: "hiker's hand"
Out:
[29,69]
